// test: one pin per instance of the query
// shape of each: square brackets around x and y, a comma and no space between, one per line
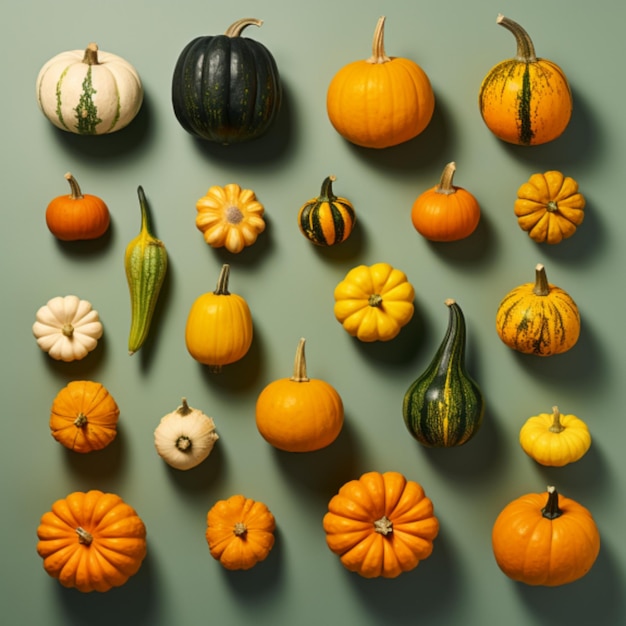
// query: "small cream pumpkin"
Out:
[67,328]
[185,437]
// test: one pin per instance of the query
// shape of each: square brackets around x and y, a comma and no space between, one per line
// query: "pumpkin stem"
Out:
[525,47]
[184,408]
[384,526]
[556,426]
[233,215]
[67,330]
[551,510]
[84,537]
[91,54]
[445,185]
[81,420]
[76,193]
[240,529]
[183,443]
[146,226]
[541,288]
[299,366]
[375,300]
[235,29]
[378,43]
[222,281]
[327,195]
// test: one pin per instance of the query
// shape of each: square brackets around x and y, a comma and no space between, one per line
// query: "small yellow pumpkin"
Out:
[554,439]
[374,302]
[230,217]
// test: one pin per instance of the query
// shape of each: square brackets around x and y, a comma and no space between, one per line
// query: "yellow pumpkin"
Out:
[374,302]
[549,207]
[554,439]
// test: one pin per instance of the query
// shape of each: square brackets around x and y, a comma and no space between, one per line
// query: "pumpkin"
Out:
[226,88]
[444,406]
[230,217]
[445,212]
[185,437]
[382,101]
[538,318]
[328,219]
[240,532]
[89,92]
[554,439]
[84,416]
[67,328]
[545,541]
[299,414]
[91,541]
[145,264]
[525,100]
[549,207]
[219,326]
[381,525]
[77,216]
[374,302]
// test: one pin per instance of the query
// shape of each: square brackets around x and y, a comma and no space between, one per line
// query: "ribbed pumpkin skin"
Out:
[444,407]
[226,88]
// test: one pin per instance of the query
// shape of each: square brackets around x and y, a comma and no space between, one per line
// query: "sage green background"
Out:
[288,284]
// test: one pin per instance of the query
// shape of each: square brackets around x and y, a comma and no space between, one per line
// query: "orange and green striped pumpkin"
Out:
[328,219]
[538,318]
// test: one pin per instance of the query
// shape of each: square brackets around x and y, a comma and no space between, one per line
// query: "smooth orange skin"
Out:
[84,218]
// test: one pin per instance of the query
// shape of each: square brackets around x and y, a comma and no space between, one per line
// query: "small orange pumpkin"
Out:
[77,216]
[240,532]
[84,416]
[446,212]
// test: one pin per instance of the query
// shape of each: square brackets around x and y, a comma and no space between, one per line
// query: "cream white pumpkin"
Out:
[185,437]
[89,92]
[67,328]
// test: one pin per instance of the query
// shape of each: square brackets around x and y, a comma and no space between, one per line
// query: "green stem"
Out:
[76,193]
[222,281]
[525,47]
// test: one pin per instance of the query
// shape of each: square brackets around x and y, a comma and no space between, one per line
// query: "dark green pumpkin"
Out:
[226,88]
[444,407]
[327,219]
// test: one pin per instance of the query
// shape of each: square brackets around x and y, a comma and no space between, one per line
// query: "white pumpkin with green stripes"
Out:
[89,92]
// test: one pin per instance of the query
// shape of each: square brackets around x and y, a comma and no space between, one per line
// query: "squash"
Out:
[240,532]
[226,88]
[444,407]
[328,219]
[382,101]
[381,525]
[538,318]
[77,216]
[185,437]
[549,207]
[373,303]
[230,217]
[67,328]
[145,262]
[554,439]
[445,212]
[91,541]
[525,100]
[219,327]
[84,416]
[299,414]
[89,92]
[549,543]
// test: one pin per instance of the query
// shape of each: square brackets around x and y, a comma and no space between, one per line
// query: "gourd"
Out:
[240,532]
[328,219]
[226,88]
[84,416]
[67,328]
[230,217]
[145,262]
[525,100]
[219,327]
[549,207]
[444,407]
[538,318]
[185,437]
[77,216]
[299,414]
[545,541]
[91,541]
[381,525]
[445,212]
[554,439]
[89,92]
[382,101]
[373,303]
